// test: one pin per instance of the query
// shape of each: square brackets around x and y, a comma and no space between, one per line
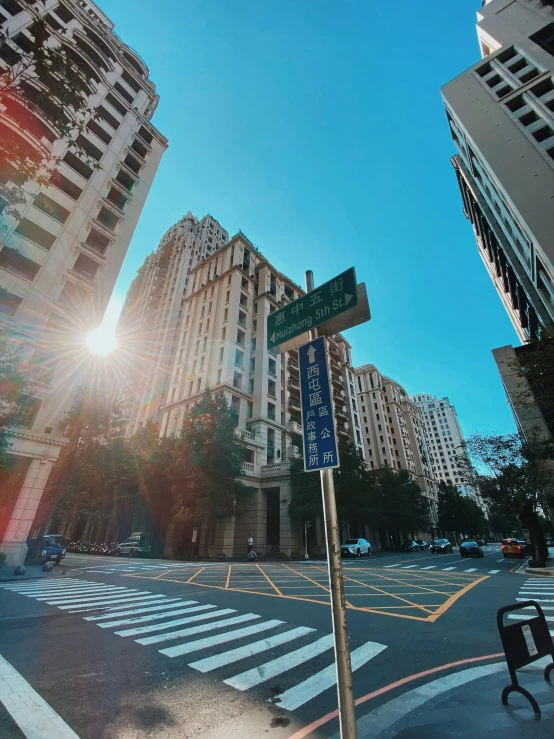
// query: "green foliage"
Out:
[43,80]
[397,502]
[14,385]
[537,364]
[517,479]
[3,556]
[458,512]
[207,463]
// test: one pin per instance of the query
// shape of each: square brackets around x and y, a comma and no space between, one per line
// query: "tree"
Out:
[397,502]
[43,82]
[14,387]
[207,465]
[517,479]
[458,513]
[536,361]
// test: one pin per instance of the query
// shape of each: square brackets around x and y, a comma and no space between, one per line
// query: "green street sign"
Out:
[321,305]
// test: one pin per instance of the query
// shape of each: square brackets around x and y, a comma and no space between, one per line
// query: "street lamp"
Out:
[307,525]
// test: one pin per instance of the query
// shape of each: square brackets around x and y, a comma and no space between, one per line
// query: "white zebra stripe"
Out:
[165,603]
[212,641]
[108,602]
[234,655]
[169,624]
[157,638]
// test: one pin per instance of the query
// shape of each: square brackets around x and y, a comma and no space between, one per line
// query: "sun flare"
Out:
[102,340]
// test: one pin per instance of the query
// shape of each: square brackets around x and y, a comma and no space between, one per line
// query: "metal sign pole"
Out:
[347,712]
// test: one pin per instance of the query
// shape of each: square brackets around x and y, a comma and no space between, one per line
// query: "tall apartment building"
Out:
[501,117]
[393,431]
[222,345]
[150,322]
[60,258]
[445,440]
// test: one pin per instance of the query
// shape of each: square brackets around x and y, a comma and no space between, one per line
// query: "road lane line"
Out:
[260,674]
[108,602]
[430,567]
[212,641]
[157,638]
[536,592]
[63,591]
[165,603]
[269,581]
[87,597]
[471,569]
[448,569]
[176,621]
[156,616]
[493,572]
[234,655]
[147,601]
[409,567]
[387,566]
[228,576]
[324,679]
[75,595]
[46,584]
[532,608]
[516,617]
[539,600]
[30,712]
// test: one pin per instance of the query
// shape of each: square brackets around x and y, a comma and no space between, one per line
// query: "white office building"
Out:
[501,117]
[60,258]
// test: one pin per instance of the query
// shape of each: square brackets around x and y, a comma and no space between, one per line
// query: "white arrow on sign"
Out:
[311,354]
[272,337]
[347,298]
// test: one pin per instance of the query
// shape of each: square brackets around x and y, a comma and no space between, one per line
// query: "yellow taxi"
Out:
[512,548]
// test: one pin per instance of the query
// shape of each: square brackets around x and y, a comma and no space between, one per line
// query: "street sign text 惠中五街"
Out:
[311,310]
[318,423]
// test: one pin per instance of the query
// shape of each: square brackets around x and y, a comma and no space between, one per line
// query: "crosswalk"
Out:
[215,638]
[541,590]
[452,568]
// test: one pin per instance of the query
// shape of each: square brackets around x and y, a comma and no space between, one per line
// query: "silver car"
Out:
[355,548]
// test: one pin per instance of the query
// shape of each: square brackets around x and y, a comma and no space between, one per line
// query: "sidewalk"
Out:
[466,704]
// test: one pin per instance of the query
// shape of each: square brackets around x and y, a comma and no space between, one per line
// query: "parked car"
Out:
[527,548]
[513,548]
[411,546]
[549,543]
[355,548]
[470,548]
[53,547]
[423,545]
[481,541]
[441,546]
[138,544]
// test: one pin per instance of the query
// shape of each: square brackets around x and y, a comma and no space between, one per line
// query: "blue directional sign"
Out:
[318,422]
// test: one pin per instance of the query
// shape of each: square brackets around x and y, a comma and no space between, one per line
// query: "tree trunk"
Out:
[530,520]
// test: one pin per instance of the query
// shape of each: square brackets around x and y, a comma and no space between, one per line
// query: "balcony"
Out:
[292,365]
[292,384]
[269,470]
[249,468]
[294,405]
[248,436]
[337,380]
[343,432]
[295,427]
[340,412]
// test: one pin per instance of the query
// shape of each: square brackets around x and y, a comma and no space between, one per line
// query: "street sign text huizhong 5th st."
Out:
[311,310]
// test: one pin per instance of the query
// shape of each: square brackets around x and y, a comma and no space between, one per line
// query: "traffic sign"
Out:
[318,418]
[311,310]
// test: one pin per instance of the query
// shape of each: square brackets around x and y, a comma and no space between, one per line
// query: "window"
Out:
[62,183]
[225,314]
[107,218]
[218,376]
[210,306]
[272,367]
[9,302]
[227,296]
[271,388]
[239,358]
[193,372]
[117,198]
[86,267]
[223,333]
[271,411]
[253,344]
[221,352]
[34,233]
[208,324]
[545,38]
[198,384]
[97,241]
[51,208]
[197,348]
[205,344]
[250,409]
[243,300]
[252,364]
[191,385]
[241,337]
[254,327]
[15,262]
[105,115]
[202,311]
[237,380]
[27,410]
[201,363]
[200,328]
[242,318]
[251,386]
[78,165]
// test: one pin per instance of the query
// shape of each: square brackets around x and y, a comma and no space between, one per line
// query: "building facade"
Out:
[393,431]
[501,117]
[445,442]
[60,258]
[222,346]
[150,322]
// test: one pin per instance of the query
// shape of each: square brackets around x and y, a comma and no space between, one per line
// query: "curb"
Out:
[541,572]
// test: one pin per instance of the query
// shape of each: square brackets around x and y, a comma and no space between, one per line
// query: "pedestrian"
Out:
[250,543]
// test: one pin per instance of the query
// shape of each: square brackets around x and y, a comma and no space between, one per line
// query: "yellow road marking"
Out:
[412,585]
[383,592]
[445,606]
[195,574]
[163,573]
[228,576]
[269,581]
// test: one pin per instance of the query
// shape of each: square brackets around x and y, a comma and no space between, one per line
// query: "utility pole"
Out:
[347,712]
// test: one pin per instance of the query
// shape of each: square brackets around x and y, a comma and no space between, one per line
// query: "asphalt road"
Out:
[129,649]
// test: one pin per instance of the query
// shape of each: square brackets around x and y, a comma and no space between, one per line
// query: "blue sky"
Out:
[317,129]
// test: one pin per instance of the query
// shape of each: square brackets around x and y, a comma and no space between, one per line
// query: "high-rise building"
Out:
[393,431]
[501,117]
[60,258]
[152,315]
[445,442]
[222,345]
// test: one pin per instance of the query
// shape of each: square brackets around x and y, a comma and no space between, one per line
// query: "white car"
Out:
[355,548]
[137,545]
